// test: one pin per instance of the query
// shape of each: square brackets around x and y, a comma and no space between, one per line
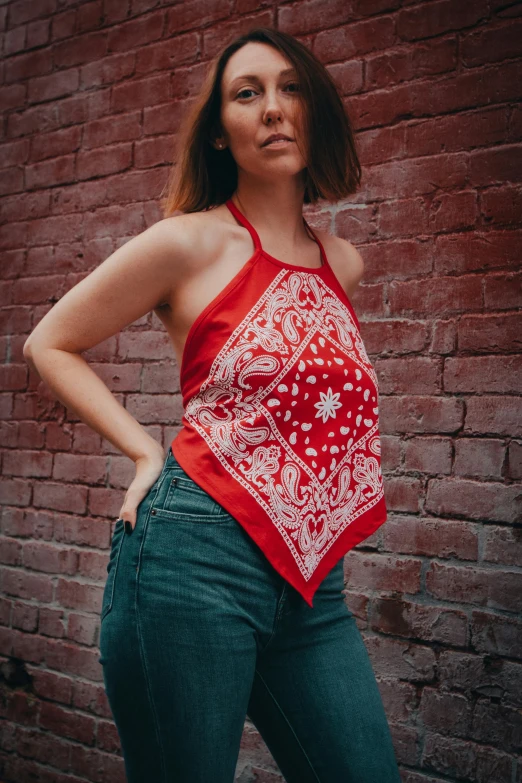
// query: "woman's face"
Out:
[259,97]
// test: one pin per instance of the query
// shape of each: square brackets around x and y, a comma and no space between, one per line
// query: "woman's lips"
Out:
[278,143]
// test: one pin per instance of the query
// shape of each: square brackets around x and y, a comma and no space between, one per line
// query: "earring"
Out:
[220,145]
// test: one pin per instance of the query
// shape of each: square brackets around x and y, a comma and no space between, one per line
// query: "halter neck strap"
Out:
[255,236]
[244,222]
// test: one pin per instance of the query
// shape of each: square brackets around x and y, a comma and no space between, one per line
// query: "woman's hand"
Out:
[148,470]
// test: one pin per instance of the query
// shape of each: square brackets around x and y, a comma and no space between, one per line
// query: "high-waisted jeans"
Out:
[198,631]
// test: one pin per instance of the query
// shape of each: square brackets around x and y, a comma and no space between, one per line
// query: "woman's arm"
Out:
[131,282]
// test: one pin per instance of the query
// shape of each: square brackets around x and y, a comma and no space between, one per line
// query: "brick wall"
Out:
[92,94]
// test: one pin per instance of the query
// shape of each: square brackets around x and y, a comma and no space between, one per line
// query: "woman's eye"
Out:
[240,93]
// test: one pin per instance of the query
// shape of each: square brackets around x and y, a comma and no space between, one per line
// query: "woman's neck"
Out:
[276,212]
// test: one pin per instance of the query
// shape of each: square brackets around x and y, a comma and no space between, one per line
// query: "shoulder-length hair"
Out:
[205,177]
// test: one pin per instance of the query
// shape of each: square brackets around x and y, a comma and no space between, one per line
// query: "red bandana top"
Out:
[281,423]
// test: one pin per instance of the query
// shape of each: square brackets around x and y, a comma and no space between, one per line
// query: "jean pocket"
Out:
[118,537]
[180,498]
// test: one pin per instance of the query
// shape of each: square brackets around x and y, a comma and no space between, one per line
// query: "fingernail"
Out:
[128,526]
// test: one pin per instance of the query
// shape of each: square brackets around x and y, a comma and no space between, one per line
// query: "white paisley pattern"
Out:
[290,408]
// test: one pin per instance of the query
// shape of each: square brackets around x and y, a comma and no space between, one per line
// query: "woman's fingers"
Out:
[145,479]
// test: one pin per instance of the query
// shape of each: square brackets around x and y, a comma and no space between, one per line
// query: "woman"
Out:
[224,590]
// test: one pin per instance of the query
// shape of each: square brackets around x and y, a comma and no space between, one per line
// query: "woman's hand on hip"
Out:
[148,470]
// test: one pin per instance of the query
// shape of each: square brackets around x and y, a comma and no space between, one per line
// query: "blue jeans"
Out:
[198,630]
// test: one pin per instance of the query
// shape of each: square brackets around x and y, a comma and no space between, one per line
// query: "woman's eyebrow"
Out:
[254,78]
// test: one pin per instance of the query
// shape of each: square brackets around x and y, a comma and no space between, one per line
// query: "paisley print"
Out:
[290,409]
[281,414]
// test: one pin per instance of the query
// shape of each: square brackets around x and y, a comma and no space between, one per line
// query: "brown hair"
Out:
[205,177]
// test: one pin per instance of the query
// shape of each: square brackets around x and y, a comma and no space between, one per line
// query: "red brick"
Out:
[121,127]
[103,161]
[91,697]
[136,33]
[395,259]
[428,455]
[25,10]
[165,118]
[496,634]
[414,375]
[406,63]
[479,457]
[107,70]
[90,16]
[25,584]
[503,545]
[444,337]
[436,295]
[477,586]
[495,166]
[136,94]
[153,151]
[63,24]
[429,623]
[67,723]
[310,16]
[379,145]
[38,33]
[490,333]
[83,629]
[217,37]
[503,292]
[12,153]
[10,551]
[15,40]
[56,143]
[60,497]
[114,221]
[13,96]
[501,206]
[415,413]
[80,49]
[439,17]
[459,758]
[51,622]
[12,181]
[491,43]
[431,537]
[116,10]
[470,252]
[52,172]
[348,77]
[382,572]
[515,460]
[355,39]
[466,90]
[188,81]
[165,55]
[50,230]
[452,711]
[486,500]
[49,558]
[28,65]
[461,131]
[198,14]
[56,85]
[483,374]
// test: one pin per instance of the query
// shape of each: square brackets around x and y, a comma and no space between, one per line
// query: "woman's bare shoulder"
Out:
[198,232]
[345,260]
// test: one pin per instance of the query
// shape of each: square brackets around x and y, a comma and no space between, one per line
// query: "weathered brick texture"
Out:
[92,94]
